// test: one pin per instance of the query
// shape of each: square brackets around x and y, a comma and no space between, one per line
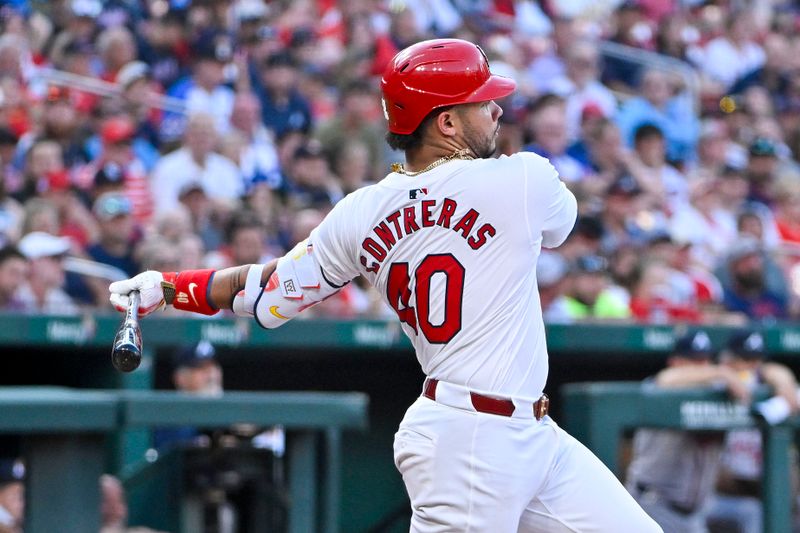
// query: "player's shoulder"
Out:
[521,165]
[530,160]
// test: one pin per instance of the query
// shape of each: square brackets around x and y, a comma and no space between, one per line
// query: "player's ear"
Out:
[447,121]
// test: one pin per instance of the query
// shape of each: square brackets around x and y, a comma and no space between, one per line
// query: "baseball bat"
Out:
[126,354]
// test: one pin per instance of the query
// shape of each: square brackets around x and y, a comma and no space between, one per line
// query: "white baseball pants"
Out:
[474,472]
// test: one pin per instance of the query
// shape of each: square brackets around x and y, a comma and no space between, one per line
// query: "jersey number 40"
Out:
[399,294]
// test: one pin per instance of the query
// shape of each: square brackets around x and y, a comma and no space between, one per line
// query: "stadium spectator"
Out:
[601,150]
[629,28]
[118,137]
[772,75]
[205,90]
[12,495]
[44,159]
[61,122]
[283,108]
[351,165]
[139,96]
[713,146]
[117,232]
[549,64]
[587,294]
[356,120]
[13,273]
[165,47]
[11,213]
[546,125]
[665,107]
[311,182]
[551,271]
[731,56]
[704,222]
[787,212]
[665,186]
[207,219]
[762,166]
[196,162]
[676,36]
[745,283]
[258,161]
[117,47]
[247,239]
[43,292]
[622,202]
[580,87]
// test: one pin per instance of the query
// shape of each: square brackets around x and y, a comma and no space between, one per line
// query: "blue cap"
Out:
[11,470]
[747,344]
[195,355]
[695,344]
[590,264]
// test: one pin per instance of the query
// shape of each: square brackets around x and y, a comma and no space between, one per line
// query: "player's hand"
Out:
[737,388]
[150,292]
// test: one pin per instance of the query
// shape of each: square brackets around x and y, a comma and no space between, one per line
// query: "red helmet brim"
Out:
[496,87]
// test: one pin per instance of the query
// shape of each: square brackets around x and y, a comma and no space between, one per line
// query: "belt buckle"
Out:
[541,407]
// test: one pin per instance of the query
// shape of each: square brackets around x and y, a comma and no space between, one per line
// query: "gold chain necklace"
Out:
[458,154]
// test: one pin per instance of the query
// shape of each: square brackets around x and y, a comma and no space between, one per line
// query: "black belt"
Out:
[679,508]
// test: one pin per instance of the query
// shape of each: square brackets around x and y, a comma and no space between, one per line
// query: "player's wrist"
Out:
[188,290]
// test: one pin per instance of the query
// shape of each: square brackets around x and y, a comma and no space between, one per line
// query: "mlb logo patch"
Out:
[413,194]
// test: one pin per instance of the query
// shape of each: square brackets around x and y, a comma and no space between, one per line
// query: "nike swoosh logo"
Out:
[274,312]
[192,287]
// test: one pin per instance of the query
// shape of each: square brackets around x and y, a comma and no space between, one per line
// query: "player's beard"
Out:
[481,144]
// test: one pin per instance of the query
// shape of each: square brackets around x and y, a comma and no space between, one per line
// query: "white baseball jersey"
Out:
[453,250]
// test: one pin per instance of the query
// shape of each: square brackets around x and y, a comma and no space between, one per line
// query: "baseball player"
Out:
[673,472]
[451,239]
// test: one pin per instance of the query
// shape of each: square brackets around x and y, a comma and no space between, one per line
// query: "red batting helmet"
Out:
[433,74]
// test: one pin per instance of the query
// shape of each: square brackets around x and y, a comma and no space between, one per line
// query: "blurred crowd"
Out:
[178,134]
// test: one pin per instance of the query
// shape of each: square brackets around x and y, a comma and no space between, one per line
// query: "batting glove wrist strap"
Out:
[189,290]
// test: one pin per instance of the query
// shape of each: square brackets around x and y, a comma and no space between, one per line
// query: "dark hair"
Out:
[544,101]
[647,131]
[410,141]
[10,252]
[280,59]
[243,220]
[7,137]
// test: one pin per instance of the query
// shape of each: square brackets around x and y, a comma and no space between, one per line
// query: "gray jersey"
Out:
[680,466]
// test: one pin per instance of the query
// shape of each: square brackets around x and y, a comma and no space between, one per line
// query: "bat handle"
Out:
[126,354]
[133,307]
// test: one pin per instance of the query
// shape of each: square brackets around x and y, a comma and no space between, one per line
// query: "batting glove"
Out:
[149,286]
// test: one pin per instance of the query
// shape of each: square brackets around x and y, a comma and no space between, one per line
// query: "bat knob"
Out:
[126,357]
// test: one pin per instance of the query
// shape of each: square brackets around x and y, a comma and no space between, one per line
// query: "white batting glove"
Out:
[150,292]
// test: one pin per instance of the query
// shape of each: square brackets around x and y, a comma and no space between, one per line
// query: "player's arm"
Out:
[272,294]
[551,206]
[199,291]
[783,383]
[677,377]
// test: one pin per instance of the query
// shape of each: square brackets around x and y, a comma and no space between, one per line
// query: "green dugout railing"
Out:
[64,434]
[98,331]
[598,413]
